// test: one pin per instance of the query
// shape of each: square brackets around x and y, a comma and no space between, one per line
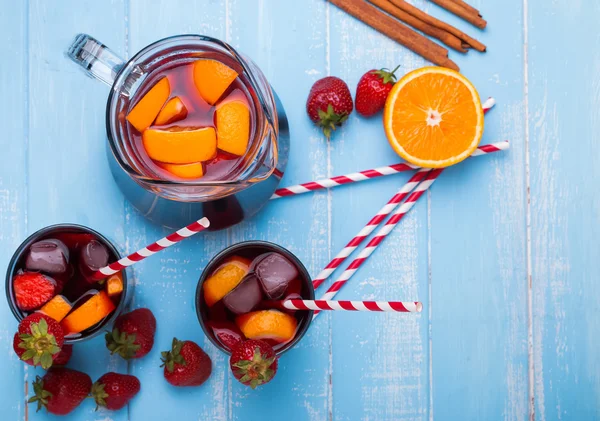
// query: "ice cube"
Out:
[275,272]
[245,296]
[50,256]
[92,256]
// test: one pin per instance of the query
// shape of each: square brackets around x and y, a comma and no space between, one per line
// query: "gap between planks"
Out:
[529,280]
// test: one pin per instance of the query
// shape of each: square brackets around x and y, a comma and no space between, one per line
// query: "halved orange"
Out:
[433,117]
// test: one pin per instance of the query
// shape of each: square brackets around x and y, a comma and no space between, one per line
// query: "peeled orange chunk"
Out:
[57,308]
[433,117]
[179,145]
[147,108]
[91,312]
[267,324]
[114,285]
[233,127]
[212,78]
[224,279]
[193,170]
[173,110]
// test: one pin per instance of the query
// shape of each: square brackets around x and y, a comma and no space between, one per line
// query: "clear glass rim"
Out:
[268,115]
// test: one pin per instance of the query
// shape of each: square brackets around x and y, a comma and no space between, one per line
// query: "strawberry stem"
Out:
[256,371]
[121,343]
[386,75]
[39,345]
[329,120]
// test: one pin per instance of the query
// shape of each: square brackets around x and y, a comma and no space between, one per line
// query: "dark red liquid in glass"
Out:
[73,278]
[222,321]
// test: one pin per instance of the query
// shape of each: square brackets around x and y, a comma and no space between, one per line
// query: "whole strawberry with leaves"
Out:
[373,89]
[253,362]
[61,390]
[329,103]
[186,364]
[39,340]
[133,334]
[113,390]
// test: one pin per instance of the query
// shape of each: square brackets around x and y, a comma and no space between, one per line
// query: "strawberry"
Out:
[39,340]
[133,334]
[227,333]
[253,362]
[329,103]
[372,91]
[61,390]
[186,364]
[63,357]
[113,391]
[32,290]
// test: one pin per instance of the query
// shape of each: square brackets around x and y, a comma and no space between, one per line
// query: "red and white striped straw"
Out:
[362,175]
[388,306]
[369,228]
[163,243]
[381,234]
[385,211]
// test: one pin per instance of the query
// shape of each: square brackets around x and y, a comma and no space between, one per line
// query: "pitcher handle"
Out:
[96,59]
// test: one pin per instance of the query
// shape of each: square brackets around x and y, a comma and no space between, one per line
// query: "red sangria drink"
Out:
[239,291]
[192,119]
[51,272]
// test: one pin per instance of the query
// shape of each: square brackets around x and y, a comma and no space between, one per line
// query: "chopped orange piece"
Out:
[433,117]
[173,110]
[57,308]
[180,146]
[212,78]
[114,284]
[147,108]
[267,324]
[91,312]
[225,278]
[233,127]
[193,170]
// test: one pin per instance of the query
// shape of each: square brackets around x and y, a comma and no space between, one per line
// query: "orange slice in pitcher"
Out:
[267,324]
[174,110]
[193,170]
[212,78]
[233,127]
[433,117]
[179,145]
[147,108]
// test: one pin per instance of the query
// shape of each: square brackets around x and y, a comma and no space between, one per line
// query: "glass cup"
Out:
[172,203]
[17,262]
[255,248]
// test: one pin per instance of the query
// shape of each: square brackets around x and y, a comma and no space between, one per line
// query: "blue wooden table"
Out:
[503,251]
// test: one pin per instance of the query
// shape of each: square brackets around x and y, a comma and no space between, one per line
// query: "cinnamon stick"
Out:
[446,37]
[397,31]
[419,14]
[461,12]
[468,7]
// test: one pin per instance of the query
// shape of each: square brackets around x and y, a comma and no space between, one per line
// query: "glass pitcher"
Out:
[225,201]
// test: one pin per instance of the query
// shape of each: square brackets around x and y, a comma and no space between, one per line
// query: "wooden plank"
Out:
[563,122]
[69,180]
[380,361]
[477,240]
[288,40]
[13,186]
[167,282]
